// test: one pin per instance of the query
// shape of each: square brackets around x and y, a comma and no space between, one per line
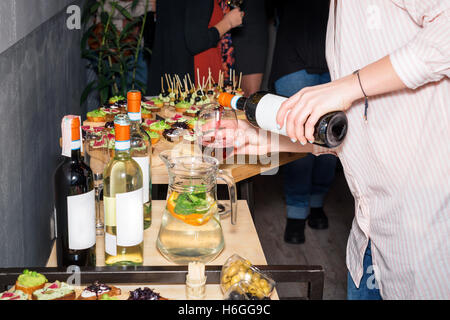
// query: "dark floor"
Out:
[322,247]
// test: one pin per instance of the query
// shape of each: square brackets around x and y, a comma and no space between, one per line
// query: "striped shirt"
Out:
[397,165]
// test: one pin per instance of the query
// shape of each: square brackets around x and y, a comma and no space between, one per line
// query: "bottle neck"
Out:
[123,149]
[135,117]
[76,155]
[76,150]
[238,103]
[135,125]
[123,154]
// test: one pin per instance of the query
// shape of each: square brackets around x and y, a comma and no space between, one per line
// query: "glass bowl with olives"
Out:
[239,278]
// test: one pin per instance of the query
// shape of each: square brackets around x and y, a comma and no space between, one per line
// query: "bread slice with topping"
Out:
[30,281]
[55,291]
[13,295]
[97,290]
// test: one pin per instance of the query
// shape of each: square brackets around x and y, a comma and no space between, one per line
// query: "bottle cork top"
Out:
[122,127]
[75,128]
[134,101]
[225,99]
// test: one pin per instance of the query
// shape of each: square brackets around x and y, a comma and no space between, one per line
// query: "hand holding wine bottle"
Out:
[302,111]
[261,108]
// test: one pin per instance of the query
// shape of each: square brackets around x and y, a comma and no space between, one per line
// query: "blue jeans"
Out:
[368,287]
[307,180]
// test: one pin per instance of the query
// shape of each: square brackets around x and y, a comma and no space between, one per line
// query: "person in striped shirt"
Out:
[397,150]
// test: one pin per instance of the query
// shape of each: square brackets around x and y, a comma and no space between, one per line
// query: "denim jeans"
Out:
[368,287]
[307,180]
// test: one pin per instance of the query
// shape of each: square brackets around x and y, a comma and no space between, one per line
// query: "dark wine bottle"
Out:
[261,109]
[74,202]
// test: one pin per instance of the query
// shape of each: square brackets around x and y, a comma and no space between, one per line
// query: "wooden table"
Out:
[233,236]
[241,238]
[240,169]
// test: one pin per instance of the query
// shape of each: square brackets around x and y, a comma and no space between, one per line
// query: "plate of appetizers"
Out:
[31,285]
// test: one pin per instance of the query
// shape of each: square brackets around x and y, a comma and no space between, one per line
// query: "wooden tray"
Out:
[169,281]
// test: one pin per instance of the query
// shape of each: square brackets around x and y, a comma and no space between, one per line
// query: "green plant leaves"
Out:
[111,53]
[122,10]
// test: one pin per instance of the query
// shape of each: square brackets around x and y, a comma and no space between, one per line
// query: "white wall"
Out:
[19,17]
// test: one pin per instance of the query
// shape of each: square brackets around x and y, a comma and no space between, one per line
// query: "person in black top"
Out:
[182,32]
[250,45]
[299,61]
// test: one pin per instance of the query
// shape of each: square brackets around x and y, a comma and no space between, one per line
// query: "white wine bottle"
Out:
[123,202]
[261,109]
[141,151]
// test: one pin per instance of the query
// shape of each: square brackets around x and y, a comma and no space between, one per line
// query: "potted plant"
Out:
[112,53]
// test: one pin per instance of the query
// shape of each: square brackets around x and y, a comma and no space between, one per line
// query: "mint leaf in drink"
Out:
[189,203]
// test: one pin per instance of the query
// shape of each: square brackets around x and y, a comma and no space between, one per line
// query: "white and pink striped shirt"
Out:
[397,165]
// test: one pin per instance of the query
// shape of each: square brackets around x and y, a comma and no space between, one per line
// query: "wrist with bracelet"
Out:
[366,98]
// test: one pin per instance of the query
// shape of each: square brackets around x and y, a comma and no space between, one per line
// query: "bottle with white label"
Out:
[261,110]
[123,202]
[141,151]
[74,201]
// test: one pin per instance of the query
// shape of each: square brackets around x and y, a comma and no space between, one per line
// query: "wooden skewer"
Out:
[209,78]
[162,85]
[189,79]
[168,83]
[198,78]
[240,79]
[178,81]
[171,84]
[234,80]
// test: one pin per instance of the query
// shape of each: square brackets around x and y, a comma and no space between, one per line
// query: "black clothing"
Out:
[149,35]
[301,37]
[250,41]
[181,33]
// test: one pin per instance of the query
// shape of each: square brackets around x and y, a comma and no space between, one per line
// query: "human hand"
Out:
[252,141]
[234,18]
[152,5]
[306,107]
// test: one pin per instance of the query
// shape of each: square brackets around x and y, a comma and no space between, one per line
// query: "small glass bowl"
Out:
[240,276]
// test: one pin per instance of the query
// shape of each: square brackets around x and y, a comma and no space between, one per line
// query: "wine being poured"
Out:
[216,138]
[261,108]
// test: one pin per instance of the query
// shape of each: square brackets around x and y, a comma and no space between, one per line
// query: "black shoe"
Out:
[317,219]
[295,231]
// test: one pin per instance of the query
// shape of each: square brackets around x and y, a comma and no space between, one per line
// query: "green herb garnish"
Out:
[191,202]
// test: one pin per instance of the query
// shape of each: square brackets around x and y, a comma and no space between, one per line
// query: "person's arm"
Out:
[199,37]
[425,59]
[231,20]
[251,140]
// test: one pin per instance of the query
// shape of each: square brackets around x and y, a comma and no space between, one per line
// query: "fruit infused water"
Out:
[190,228]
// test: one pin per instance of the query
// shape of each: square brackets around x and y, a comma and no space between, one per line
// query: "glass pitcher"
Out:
[190,227]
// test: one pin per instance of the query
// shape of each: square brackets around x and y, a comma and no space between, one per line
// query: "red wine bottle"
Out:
[262,107]
[74,202]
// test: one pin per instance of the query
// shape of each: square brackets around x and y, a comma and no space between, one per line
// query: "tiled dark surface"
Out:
[42,77]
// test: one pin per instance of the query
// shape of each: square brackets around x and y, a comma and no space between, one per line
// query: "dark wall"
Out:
[41,80]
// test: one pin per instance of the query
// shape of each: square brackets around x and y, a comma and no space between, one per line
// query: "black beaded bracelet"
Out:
[366,98]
